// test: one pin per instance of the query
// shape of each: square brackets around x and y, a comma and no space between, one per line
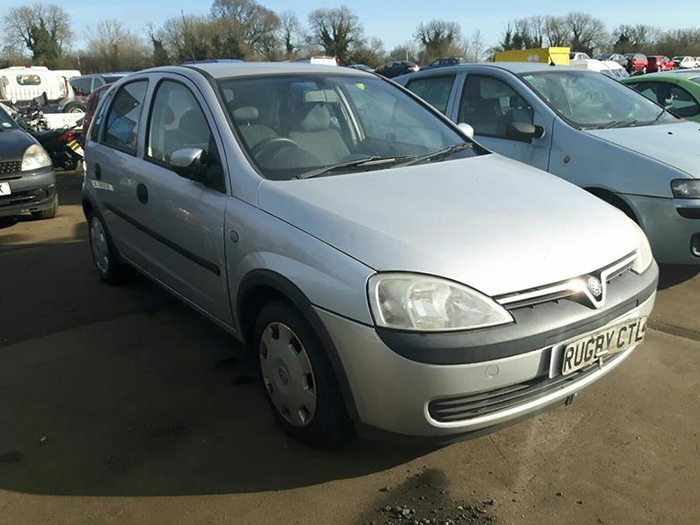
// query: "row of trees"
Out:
[41,34]
[584,32]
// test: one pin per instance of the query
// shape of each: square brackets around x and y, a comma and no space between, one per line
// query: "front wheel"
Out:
[298,377]
[48,213]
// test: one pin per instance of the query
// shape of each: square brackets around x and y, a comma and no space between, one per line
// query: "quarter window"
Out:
[434,90]
[124,115]
[29,80]
[82,86]
[490,105]
[178,122]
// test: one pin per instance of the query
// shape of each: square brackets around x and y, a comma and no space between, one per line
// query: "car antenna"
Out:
[184,27]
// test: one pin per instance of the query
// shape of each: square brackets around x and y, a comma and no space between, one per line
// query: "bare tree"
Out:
[556,31]
[439,38]
[370,53]
[44,29]
[475,47]
[249,28]
[587,32]
[290,34]
[337,30]
[406,51]
[640,37]
[116,48]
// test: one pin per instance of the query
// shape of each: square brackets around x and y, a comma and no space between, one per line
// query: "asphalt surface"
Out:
[122,405]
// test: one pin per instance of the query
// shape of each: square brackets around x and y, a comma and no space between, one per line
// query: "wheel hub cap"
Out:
[288,375]
[100,248]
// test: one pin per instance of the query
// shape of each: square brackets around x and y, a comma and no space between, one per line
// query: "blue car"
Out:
[588,129]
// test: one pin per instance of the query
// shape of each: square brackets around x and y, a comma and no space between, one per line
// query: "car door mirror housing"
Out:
[188,162]
[524,131]
[466,130]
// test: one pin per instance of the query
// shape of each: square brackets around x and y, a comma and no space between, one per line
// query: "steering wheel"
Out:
[274,144]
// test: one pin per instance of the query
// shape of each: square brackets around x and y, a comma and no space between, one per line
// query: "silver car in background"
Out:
[394,277]
[587,129]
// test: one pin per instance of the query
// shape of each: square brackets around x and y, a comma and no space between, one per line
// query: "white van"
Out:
[319,61]
[26,83]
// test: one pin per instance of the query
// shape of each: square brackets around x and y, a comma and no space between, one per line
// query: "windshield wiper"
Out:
[441,153]
[621,124]
[376,160]
[663,112]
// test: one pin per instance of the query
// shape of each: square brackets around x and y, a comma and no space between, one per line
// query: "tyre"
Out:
[110,269]
[48,213]
[74,107]
[298,377]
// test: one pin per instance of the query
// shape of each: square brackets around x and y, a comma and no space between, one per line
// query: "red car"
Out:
[637,63]
[90,108]
[659,63]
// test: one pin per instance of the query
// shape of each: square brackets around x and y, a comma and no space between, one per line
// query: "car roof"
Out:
[669,75]
[228,70]
[514,67]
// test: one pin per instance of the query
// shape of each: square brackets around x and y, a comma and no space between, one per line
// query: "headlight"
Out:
[34,158]
[644,255]
[686,188]
[404,301]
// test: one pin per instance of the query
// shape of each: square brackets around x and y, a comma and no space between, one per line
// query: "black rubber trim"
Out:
[204,263]
[535,327]
[288,289]
[689,213]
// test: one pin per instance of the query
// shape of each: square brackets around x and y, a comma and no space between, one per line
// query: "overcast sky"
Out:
[395,20]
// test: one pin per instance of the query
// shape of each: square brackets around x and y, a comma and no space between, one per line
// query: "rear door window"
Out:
[123,118]
[434,90]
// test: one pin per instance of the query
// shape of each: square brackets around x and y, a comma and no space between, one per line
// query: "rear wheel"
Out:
[110,269]
[298,377]
[48,213]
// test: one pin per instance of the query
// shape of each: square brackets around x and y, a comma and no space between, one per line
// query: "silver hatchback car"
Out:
[394,277]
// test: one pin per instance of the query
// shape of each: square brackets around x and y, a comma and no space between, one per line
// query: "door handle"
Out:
[142,193]
[98,172]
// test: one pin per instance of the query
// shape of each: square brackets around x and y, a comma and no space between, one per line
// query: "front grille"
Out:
[458,408]
[566,289]
[24,197]
[10,166]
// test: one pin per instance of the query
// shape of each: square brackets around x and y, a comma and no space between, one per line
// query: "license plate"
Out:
[582,352]
[5,189]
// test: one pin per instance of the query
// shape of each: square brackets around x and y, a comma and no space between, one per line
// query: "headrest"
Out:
[317,96]
[317,119]
[245,114]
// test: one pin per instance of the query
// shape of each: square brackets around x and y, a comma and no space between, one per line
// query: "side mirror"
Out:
[466,130]
[188,162]
[524,131]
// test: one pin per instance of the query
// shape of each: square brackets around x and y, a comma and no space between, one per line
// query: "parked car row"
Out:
[393,276]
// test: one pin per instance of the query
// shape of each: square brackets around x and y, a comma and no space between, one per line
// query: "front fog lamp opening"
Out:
[414,302]
[686,188]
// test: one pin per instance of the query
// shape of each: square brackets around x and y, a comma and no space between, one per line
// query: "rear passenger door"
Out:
[436,90]
[112,161]
[181,221]
[490,104]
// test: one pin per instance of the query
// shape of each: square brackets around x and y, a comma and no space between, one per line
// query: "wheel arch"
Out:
[261,286]
[615,200]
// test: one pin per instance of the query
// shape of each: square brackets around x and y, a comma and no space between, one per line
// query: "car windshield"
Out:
[295,126]
[591,100]
[6,121]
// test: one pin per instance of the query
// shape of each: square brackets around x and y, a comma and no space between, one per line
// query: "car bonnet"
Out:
[677,144]
[489,222]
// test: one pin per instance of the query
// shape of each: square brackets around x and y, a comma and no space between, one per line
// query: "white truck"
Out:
[23,83]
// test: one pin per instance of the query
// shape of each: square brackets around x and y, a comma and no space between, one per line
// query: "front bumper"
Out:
[672,231]
[31,191]
[394,394]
